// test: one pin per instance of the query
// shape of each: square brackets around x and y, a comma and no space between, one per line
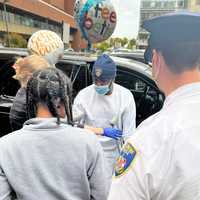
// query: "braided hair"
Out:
[49,87]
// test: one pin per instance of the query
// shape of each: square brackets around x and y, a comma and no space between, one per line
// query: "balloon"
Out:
[95,18]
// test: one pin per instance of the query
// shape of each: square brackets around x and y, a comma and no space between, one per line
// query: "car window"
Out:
[80,80]
[77,72]
[148,98]
[65,67]
[8,85]
[130,81]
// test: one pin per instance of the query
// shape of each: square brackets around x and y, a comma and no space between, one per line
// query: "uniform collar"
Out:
[182,93]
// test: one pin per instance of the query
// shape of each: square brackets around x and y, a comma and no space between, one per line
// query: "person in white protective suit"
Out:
[161,161]
[107,109]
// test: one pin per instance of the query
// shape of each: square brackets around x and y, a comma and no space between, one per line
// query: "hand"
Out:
[112,133]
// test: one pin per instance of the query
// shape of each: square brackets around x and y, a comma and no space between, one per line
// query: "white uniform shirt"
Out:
[102,111]
[161,161]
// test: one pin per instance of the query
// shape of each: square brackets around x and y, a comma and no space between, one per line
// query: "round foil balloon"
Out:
[95,18]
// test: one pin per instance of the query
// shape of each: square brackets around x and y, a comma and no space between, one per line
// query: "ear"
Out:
[156,64]
[157,60]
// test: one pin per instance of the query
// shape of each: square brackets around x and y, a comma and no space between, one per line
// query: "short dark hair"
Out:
[182,56]
[48,86]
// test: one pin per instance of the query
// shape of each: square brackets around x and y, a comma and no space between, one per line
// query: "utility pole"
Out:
[6,21]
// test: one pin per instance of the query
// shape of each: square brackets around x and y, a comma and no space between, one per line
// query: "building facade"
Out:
[27,16]
[153,8]
[193,5]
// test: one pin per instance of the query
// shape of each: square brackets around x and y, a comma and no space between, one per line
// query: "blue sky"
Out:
[127,18]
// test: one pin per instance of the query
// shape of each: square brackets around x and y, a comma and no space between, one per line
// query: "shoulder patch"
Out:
[125,159]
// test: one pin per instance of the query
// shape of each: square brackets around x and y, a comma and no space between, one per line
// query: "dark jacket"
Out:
[18,110]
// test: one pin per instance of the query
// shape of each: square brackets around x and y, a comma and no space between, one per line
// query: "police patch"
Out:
[98,72]
[125,159]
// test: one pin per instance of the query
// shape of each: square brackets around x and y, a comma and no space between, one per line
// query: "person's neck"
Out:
[111,89]
[176,81]
[43,112]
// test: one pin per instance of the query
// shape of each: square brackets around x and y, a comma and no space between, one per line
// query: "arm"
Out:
[17,113]
[108,132]
[5,189]
[129,181]
[96,174]
[129,118]
[79,118]
[78,110]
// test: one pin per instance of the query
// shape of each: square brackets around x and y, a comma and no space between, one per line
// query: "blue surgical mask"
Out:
[102,90]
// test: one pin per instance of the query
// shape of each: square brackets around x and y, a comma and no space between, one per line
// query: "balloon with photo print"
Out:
[96,19]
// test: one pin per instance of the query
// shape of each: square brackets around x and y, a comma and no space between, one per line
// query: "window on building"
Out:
[17,19]
[197,2]
[44,25]
[23,20]
[153,4]
[181,4]
[11,17]
[1,15]
[158,4]
[36,23]
[30,21]
[51,27]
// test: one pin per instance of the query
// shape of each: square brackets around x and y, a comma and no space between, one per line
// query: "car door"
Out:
[8,89]
[77,72]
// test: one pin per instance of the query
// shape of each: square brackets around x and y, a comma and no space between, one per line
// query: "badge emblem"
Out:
[98,72]
[125,159]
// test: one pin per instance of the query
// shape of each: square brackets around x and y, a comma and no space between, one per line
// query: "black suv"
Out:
[131,74]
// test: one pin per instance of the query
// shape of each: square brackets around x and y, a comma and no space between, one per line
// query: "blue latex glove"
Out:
[112,133]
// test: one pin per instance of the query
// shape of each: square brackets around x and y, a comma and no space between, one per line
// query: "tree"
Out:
[124,41]
[16,40]
[103,46]
[116,43]
[112,42]
[132,43]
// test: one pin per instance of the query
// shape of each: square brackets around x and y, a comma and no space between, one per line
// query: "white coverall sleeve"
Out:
[129,181]
[78,110]
[5,189]
[129,118]
[96,174]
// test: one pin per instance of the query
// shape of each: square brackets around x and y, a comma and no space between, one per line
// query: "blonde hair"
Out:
[18,60]
[25,67]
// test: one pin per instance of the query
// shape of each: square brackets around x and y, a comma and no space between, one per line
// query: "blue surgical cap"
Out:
[104,68]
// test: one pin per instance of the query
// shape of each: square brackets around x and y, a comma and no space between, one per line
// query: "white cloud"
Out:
[127,18]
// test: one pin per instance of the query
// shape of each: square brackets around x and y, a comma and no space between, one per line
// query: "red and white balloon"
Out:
[96,19]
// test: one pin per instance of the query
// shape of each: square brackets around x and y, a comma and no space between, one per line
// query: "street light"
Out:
[6,21]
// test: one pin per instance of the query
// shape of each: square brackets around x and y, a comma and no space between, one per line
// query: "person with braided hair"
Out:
[49,158]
